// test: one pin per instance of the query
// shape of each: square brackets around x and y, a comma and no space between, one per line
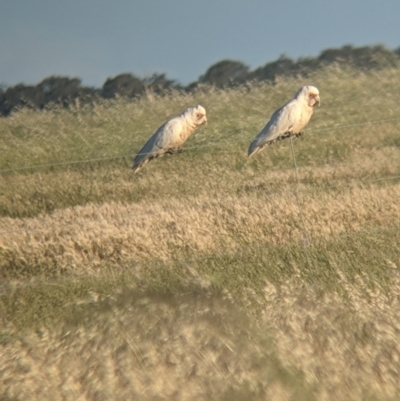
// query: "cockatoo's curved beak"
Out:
[317,100]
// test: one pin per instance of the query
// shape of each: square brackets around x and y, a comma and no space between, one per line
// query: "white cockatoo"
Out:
[289,120]
[170,136]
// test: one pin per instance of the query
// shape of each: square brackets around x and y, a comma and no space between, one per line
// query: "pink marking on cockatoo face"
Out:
[200,115]
[313,97]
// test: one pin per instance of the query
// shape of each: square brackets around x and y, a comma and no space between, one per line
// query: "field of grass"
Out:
[208,275]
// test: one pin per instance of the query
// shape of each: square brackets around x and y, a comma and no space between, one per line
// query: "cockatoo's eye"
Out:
[199,115]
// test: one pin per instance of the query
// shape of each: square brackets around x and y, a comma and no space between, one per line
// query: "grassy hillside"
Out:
[208,275]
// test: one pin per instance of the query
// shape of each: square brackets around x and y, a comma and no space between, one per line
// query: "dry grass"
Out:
[349,348]
[199,278]
[85,238]
[306,344]
[153,348]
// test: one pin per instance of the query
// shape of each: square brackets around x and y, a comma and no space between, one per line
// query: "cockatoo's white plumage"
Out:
[170,136]
[289,120]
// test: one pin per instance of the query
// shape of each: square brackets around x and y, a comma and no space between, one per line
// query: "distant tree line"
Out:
[227,73]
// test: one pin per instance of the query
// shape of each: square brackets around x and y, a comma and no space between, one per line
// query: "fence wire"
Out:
[211,144]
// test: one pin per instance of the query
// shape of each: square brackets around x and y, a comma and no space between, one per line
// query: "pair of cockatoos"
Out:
[287,121]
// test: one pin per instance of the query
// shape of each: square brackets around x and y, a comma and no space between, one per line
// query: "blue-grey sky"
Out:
[97,39]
